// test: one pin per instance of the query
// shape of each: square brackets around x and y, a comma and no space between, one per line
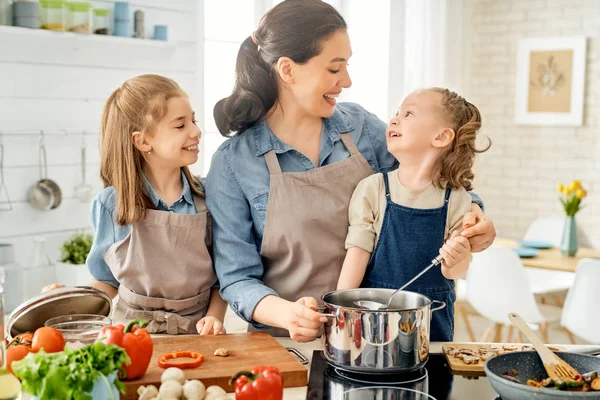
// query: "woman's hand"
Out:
[478,229]
[208,325]
[303,321]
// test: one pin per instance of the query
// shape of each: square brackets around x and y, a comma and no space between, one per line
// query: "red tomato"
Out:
[49,339]
[16,353]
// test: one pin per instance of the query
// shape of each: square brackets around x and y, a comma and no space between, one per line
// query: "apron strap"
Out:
[272,162]
[157,318]
[447,196]
[349,143]
[197,202]
[387,185]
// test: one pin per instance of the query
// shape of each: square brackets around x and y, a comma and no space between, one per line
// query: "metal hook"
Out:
[3,187]
[43,160]
[42,138]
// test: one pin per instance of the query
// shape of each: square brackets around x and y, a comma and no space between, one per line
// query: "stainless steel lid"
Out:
[32,314]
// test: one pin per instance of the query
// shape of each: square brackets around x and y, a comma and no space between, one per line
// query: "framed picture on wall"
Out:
[550,81]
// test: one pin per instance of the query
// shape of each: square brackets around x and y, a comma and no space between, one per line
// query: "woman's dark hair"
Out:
[294,29]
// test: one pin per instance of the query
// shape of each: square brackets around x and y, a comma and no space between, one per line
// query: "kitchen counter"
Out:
[299,393]
[306,349]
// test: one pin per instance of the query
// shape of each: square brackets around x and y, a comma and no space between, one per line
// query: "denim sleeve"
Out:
[477,200]
[376,127]
[237,260]
[104,236]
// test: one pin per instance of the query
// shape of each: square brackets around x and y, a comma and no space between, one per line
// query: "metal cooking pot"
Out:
[366,341]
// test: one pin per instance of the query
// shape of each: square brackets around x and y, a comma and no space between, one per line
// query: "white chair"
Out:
[580,312]
[546,282]
[460,306]
[546,229]
[497,284]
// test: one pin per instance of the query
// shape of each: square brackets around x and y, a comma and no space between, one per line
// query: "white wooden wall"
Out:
[54,81]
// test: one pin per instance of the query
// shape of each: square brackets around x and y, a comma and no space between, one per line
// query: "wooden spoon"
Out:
[555,366]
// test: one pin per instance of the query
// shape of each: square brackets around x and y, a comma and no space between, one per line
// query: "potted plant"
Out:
[71,270]
[571,196]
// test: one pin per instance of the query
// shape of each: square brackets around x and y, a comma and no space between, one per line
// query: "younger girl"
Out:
[401,220]
[152,231]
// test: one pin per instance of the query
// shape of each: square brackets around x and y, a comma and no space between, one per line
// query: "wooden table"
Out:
[551,258]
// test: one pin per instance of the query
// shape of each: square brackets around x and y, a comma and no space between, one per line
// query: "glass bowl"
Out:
[83,328]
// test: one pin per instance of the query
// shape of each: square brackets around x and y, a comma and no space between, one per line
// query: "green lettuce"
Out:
[70,374]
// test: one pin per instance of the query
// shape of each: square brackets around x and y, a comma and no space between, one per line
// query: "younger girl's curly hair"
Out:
[455,168]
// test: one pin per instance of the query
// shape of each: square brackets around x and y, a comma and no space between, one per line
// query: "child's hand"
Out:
[210,325]
[456,249]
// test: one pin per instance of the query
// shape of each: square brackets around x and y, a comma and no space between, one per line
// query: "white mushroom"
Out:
[470,359]
[194,390]
[173,374]
[147,392]
[215,393]
[170,389]
[221,352]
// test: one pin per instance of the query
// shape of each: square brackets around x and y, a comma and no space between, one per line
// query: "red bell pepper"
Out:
[136,342]
[262,383]
[198,358]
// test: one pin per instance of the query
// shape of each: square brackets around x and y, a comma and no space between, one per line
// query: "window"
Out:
[227,23]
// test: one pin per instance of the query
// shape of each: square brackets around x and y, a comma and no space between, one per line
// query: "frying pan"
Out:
[529,366]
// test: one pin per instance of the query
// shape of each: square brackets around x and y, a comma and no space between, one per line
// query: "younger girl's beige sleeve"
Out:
[458,206]
[362,213]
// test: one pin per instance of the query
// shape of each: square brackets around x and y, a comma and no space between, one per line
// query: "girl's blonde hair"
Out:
[455,168]
[137,106]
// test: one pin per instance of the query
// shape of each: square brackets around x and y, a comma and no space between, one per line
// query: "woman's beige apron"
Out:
[306,225]
[165,270]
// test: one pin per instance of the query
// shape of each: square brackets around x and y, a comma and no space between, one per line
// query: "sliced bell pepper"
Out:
[137,344]
[198,359]
[262,383]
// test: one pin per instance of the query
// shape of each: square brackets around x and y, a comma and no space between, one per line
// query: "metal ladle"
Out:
[84,191]
[375,305]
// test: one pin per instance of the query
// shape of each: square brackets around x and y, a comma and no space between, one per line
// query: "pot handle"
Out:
[443,304]
[301,359]
[328,315]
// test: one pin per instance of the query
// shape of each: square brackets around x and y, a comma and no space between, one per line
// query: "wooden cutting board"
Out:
[458,365]
[246,350]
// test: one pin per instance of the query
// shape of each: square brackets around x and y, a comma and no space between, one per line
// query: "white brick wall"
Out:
[57,81]
[518,176]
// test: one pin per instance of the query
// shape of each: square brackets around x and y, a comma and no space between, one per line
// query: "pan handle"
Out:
[443,304]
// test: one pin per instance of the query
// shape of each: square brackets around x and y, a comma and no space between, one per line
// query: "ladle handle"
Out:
[434,262]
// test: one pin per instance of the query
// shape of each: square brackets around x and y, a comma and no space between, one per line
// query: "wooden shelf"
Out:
[82,37]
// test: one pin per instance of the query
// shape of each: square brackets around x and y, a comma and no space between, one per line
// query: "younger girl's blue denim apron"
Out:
[409,239]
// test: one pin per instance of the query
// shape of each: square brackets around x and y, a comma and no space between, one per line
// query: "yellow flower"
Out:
[569,189]
[580,194]
[561,188]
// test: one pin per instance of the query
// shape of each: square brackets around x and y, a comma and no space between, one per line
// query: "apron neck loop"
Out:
[447,196]
[272,162]
[349,143]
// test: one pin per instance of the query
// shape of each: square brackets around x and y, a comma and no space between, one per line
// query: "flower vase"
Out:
[568,244]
